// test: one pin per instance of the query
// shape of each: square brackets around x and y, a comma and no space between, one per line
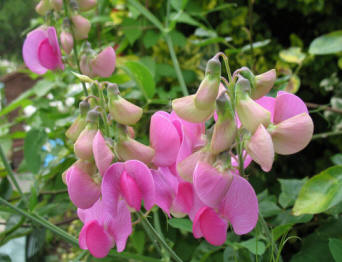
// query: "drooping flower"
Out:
[41,50]
[67,41]
[82,26]
[102,230]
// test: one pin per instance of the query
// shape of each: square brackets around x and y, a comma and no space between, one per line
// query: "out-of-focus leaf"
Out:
[279,231]
[258,44]
[35,242]
[142,76]
[339,63]
[5,188]
[327,44]
[138,241]
[203,251]
[268,208]
[229,254]
[150,38]
[131,29]
[22,101]
[289,191]
[335,246]
[293,84]
[292,55]
[33,143]
[182,17]
[255,246]
[179,4]
[178,38]
[181,223]
[337,159]
[4,258]
[320,192]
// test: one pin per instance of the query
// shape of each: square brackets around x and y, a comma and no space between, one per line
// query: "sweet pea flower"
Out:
[41,50]
[291,126]
[132,181]
[102,230]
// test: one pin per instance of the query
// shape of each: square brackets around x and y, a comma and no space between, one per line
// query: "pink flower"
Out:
[41,50]
[131,181]
[102,154]
[102,230]
[292,127]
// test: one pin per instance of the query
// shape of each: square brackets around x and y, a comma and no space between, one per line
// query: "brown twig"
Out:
[323,107]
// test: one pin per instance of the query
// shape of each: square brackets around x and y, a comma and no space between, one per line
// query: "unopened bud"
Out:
[85,5]
[123,111]
[43,7]
[243,86]
[83,146]
[82,27]
[80,123]
[223,136]
[264,83]
[128,149]
[209,87]
[186,109]
[67,42]
[103,64]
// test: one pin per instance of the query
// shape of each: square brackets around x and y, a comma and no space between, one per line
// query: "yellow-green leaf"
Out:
[292,55]
[327,44]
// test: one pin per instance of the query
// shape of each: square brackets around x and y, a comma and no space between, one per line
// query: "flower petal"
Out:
[144,180]
[183,202]
[292,135]
[210,185]
[164,139]
[288,105]
[53,40]
[102,154]
[240,206]
[98,241]
[130,191]
[268,103]
[30,50]
[104,63]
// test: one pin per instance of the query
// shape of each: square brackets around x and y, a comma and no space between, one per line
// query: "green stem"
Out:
[135,257]
[11,174]
[327,134]
[158,238]
[41,221]
[103,105]
[65,5]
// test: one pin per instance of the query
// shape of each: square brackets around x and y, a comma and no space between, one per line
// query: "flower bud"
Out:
[57,4]
[243,86]
[104,63]
[83,146]
[224,128]
[263,84]
[85,5]
[208,89]
[247,74]
[43,7]
[260,148]
[121,110]
[186,109]
[82,27]
[79,124]
[251,114]
[128,149]
[67,42]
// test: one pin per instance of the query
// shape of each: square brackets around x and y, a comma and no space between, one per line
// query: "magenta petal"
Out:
[104,63]
[166,186]
[98,240]
[30,50]
[83,191]
[111,187]
[82,237]
[213,227]
[47,56]
[164,139]
[143,179]
[53,40]
[130,191]
[268,103]
[240,206]
[210,185]
[102,154]
[288,105]
[196,225]
[120,227]
[183,202]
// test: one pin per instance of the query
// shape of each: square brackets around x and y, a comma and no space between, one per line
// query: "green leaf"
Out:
[5,188]
[292,55]
[254,246]
[320,192]
[4,258]
[293,84]
[289,191]
[335,246]
[131,29]
[150,38]
[178,38]
[258,44]
[182,17]
[268,208]
[181,223]
[327,44]
[142,76]
[179,4]
[22,101]
[278,231]
[138,241]
[33,143]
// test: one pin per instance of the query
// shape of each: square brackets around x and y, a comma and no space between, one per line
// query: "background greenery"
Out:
[259,34]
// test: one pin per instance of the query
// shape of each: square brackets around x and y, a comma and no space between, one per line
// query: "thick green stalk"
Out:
[41,221]
[11,174]
[327,134]
[66,10]
[135,257]
[158,238]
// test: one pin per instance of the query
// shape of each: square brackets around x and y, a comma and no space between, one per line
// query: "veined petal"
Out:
[293,134]
[183,202]
[288,105]
[240,206]
[53,40]
[102,154]
[164,139]
[268,103]
[130,191]
[210,185]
